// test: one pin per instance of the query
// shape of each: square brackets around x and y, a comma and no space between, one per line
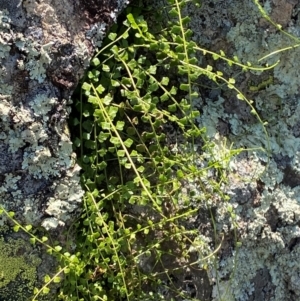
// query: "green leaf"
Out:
[77,142]
[95,61]
[100,89]
[128,142]
[112,36]
[85,86]
[125,35]
[46,290]
[105,125]
[86,136]
[152,69]
[126,81]
[172,108]
[88,125]
[185,20]
[240,96]
[44,239]
[105,68]
[180,174]
[209,68]
[132,64]
[153,87]
[56,279]
[236,59]
[184,87]
[112,112]
[93,99]
[127,165]
[86,113]
[28,227]
[176,29]
[115,141]
[47,278]
[173,12]
[173,91]
[120,125]
[115,50]
[179,40]
[130,131]
[164,97]
[114,83]
[58,248]
[141,169]
[107,99]
[90,144]
[141,148]
[16,228]
[165,81]
[195,114]
[102,165]
[103,136]
[132,22]
[120,153]
[153,46]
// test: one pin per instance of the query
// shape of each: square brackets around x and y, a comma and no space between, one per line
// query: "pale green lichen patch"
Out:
[41,105]
[18,269]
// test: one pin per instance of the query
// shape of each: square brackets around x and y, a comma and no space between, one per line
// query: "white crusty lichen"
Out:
[5,34]
[37,62]
[45,156]
[37,57]
[41,105]
[5,108]
[39,176]
[268,234]
[96,33]
[39,162]
[67,196]
[34,134]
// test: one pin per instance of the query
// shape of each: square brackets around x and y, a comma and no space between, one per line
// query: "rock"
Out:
[260,262]
[45,47]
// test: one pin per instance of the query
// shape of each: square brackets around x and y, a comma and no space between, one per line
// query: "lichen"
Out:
[5,34]
[263,186]
[96,33]
[37,62]
[32,132]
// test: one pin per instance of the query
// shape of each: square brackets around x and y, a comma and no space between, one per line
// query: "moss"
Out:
[18,274]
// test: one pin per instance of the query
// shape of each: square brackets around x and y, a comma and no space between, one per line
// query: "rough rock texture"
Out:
[45,46]
[263,212]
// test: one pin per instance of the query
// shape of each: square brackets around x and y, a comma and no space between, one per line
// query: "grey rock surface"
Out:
[45,47]
[263,208]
